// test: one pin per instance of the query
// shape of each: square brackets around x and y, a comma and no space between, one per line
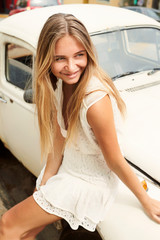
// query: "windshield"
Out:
[127,51]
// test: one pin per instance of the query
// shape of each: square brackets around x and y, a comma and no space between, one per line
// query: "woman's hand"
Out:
[45,178]
[152,208]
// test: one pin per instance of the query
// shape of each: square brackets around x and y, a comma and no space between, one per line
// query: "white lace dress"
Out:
[84,186]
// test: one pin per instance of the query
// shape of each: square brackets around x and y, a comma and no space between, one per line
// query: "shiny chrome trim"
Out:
[3,100]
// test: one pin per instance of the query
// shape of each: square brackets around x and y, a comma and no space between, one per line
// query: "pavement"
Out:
[3,15]
[16,184]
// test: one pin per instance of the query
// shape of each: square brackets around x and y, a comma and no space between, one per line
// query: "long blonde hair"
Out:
[56,27]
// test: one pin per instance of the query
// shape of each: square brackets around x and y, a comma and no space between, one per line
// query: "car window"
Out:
[42,3]
[19,62]
[144,42]
[153,14]
[21,3]
[130,50]
[157,13]
[109,48]
[137,10]
[134,9]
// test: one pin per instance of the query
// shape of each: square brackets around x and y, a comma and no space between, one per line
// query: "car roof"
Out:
[27,25]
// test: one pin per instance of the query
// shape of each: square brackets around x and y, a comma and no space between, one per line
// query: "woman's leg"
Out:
[24,221]
[32,235]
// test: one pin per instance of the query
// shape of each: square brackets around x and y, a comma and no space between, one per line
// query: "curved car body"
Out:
[128,48]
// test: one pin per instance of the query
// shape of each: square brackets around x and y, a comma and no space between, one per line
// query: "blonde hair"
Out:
[56,27]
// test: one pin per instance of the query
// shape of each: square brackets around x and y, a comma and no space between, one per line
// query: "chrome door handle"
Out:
[3,100]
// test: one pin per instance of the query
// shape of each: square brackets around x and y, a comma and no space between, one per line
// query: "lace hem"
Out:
[68,216]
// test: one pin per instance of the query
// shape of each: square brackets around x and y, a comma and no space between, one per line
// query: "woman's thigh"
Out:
[26,216]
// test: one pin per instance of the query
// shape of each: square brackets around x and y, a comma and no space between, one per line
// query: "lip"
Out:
[71,75]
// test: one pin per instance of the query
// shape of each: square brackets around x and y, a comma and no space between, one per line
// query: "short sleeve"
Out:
[95,91]
[94,97]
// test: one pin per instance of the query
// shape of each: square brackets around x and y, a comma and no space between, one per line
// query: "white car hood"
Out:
[141,140]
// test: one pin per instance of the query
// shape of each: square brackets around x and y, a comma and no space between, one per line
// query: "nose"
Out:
[70,66]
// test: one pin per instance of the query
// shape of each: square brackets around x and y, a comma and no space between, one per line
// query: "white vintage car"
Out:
[128,46]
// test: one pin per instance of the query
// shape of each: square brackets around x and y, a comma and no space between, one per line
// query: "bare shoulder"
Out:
[100,114]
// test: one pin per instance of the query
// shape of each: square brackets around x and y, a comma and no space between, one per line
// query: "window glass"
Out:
[143,42]
[19,61]
[157,13]
[21,3]
[130,50]
[102,1]
[154,14]
[109,47]
[137,10]
[42,3]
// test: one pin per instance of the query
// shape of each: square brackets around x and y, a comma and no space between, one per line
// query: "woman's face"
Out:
[70,59]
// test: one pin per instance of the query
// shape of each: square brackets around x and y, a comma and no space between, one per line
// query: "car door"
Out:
[18,121]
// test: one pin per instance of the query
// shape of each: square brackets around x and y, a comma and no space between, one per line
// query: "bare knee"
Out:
[11,231]
[4,223]
[7,227]
[3,226]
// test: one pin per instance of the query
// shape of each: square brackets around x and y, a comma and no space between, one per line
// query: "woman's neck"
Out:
[68,89]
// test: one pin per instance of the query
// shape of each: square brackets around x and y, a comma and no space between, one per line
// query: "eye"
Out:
[58,59]
[80,54]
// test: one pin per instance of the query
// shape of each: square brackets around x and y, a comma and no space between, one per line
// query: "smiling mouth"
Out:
[71,75]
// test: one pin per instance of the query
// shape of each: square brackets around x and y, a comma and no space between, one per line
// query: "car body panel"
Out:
[141,127]
[19,133]
[142,131]
[126,219]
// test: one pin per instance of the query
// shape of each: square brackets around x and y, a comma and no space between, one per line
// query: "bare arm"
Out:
[100,118]
[54,159]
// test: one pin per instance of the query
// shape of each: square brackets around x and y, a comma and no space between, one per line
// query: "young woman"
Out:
[79,119]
